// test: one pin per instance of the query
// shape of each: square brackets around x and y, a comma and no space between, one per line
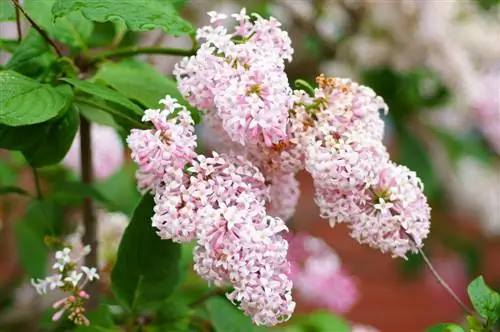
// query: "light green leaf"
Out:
[24,101]
[9,45]
[57,142]
[445,327]
[141,82]
[105,93]
[226,317]
[7,11]
[147,268]
[73,29]
[485,300]
[76,190]
[97,115]
[322,321]
[100,319]
[22,137]
[144,15]
[27,55]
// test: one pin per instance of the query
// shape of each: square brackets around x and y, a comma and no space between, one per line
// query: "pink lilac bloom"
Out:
[318,276]
[107,152]
[239,76]
[487,109]
[284,194]
[392,213]
[165,149]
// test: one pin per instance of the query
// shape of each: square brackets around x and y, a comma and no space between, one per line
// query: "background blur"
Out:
[437,65]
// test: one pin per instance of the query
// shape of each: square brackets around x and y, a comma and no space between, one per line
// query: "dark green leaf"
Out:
[147,268]
[445,327]
[105,93]
[120,189]
[415,156]
[81,190]
[485,300]
[13,190]
[24,101]
[101,320]
[73,29]
[57,142]
[7,174]
[174,315]
[226,317]
[7,11]
[144,15]
[141,82]
[22,137]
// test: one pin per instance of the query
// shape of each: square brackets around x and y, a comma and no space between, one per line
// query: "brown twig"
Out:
[89,217]
[18,25]
[38,28]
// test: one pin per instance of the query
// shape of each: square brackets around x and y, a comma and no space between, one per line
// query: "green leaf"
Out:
[144,15]
[7,174]
[13,190]
[141,82]
[173,316]
[105,93]
[30,48]
[97,115]
[445,327]
[57,142]
[226,317]
[7,11]
[415,156]
[485,300]
[22,137]
[120,189]
[320,321]
[73,29]
[147,268]
[9,45]
[65,191]
[100,319]
[24,101]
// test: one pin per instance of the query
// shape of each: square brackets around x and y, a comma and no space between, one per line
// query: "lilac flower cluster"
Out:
[72,279]
[235,203]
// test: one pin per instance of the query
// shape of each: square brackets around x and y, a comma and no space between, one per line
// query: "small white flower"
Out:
[74,278]
[40,285]
[90,272]
[55,281]
[63,255]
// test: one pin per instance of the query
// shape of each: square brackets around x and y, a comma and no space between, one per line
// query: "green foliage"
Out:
[147,268]
[73,29]
[7,11]
[141,82]
[104,93]
[174,315]
[142,15]
[485,300]
[6,190]
[488,4]
[320,321]
[24,101]
[226,317]
[94,114]
[101,321]
[22,137]
[52,149]
[27,57]
[445,327]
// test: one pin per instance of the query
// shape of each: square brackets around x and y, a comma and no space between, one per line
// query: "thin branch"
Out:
[135,50]
[39,29]
[89,217]
[18,25]
[438,277]
[206,296]
[110,110]
[36,179]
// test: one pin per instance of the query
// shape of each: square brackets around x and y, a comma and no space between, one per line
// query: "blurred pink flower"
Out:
[107,152]
[454,271]
[317,275]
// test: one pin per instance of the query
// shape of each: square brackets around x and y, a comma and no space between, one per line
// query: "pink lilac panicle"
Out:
[318,276]
[284,195]
[160,152]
